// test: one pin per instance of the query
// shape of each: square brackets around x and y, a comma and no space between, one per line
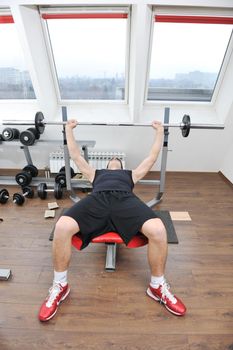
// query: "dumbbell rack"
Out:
[71,183]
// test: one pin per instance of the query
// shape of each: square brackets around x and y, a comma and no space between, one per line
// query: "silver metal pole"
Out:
[169,125]
[27,154]
[159,195]
[73,196]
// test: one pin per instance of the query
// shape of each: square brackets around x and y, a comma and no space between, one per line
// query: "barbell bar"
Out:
[170,125]
[185,125]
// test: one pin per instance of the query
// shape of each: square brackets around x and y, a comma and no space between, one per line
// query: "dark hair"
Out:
[115,158]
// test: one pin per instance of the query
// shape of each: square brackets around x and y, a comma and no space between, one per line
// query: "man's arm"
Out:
[75,154]
[148,162]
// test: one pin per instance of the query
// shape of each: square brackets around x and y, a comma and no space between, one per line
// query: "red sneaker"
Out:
[170,301]
[57,294]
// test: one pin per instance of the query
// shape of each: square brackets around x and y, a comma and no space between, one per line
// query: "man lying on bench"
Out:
[111,206]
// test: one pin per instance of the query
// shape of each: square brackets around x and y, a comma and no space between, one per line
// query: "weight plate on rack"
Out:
[27,138]
[39,124]
[7,134]
[63,169]
[186,121]
[35,132]
[32,169]
[23,179]
[61,179]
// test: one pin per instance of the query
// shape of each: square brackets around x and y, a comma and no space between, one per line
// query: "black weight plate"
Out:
[61,179]
[16,134]
[4,196]
[18,198]
[63,169]
[186,121]
[8,134]
[27,138]
[35,132]
[57,191]
[23,179]
[29,191]
[39,124]
[32,169]
[41,190]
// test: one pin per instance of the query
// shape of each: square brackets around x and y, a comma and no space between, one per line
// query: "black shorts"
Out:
[107,211]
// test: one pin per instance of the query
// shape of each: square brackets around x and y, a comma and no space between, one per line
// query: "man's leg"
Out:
[159,289]
[65,228]
[156,233]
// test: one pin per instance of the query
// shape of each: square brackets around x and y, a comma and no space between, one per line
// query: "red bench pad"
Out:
[138,240]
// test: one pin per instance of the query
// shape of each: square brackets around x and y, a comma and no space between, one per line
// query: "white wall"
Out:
[226,164]
[224,109]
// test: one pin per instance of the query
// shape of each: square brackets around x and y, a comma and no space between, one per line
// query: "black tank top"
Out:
[113,180]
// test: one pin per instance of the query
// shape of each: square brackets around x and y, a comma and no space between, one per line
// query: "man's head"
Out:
[115,164]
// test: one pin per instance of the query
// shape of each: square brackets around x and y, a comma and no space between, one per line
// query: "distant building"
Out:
[15,84]
[10,75]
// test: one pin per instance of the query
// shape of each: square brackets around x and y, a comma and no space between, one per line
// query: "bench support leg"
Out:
[110,264]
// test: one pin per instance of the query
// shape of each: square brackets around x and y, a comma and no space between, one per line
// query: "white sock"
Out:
[157,281]
[60,277]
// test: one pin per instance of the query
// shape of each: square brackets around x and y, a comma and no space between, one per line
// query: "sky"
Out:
[182,48]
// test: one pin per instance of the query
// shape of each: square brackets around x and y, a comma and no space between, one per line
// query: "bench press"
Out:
[111,239]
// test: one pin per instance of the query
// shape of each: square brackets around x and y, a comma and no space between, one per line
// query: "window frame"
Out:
[209,16]
[85,12]
[6,17]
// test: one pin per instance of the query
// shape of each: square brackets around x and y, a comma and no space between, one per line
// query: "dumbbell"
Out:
[29,136]
[42,190]
[25,177]
[19,198]
[4,195]
[61,176]
[9,134]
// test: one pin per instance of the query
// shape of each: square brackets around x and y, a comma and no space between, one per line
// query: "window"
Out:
[15,82]
[187,56]
[89,53]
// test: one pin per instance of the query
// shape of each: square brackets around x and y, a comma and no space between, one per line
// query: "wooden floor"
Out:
[111,310]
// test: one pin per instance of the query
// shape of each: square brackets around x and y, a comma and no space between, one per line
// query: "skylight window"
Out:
[89,52]
[15,82]
[187,56]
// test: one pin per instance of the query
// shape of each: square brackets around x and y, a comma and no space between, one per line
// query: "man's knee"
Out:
[155,231]
[65,227]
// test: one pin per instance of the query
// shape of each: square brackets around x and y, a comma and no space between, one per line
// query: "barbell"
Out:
[185,125]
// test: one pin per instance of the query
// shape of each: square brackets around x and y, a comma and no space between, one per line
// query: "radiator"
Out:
[97,160]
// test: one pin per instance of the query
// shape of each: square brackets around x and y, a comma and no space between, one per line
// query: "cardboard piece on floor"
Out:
[49,214]
[5,274]
[180,216]
[53,205]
